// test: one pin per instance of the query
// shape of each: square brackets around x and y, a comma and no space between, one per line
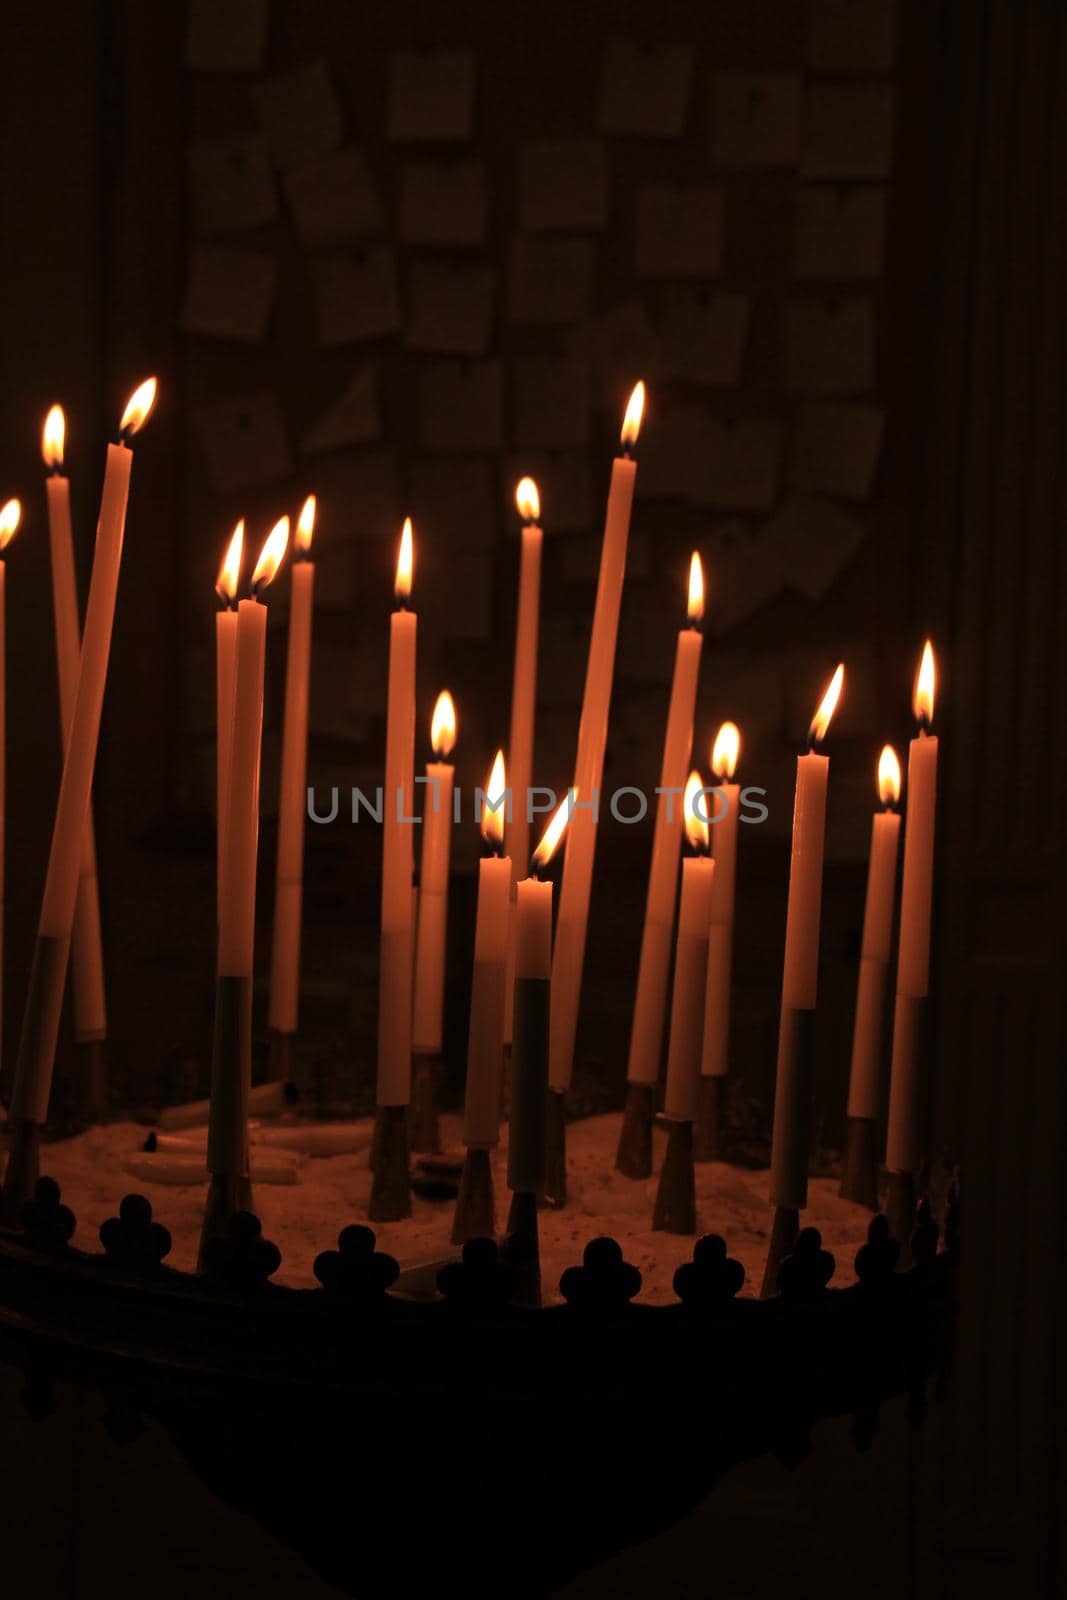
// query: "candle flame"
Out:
[230,571]
[10,517]
[53,438]
[693,811]
[631,423]
[888,776]
[305,526]
[405,562]
[725,751]
[528,500]
[696,588]
[924,687]
[546,849]
[495,806]
[138,406]
[270,557]
[827,706]
[443,725]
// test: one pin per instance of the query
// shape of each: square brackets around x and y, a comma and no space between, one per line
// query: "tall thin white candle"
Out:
[524,681]
[865,1073]
[690,962]
[226,585]
[481,1121]
[10,516]
[726,811]
[397,931]
[431,934]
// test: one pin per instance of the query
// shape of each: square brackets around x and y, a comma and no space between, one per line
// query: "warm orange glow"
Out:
[270,557]
[305,526]
[551,836]
[631,423]
[528,500]
[138,406]
[53,438]
[924,687]
[827,706]
[495,792]
[405,562]
[725,751]
[443,725]
[888,776]
[696,588]
[694,812]
[230,571]
[10,517]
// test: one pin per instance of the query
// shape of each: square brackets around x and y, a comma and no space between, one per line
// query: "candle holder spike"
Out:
[91,1063]
[634,1156]
[707,1130]
[676,1198]
[475,1215]
[859,1176]
[425,1099]
[280,1059]
[390,1197]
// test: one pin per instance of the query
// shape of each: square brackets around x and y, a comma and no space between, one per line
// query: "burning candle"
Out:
[906,1087]
[524,682]
[87,962]
[431,932]
[292,801]
[226,585]
[394,995]
[10,517]
[725,817]
[792,1098]
[569,951]
[40,1026]
[646,1035]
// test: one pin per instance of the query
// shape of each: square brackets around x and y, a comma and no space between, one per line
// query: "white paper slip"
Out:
[839,231]
[353,418]
[829,346]
[551,279]
[563,185]
[848,131]
[851,35]
[431,96]
[563,482]
[739,465]
[745,577]
[244,441]
[443,203]
[226,35]
[623,346]
[644,88]
[703,333]
[334,198]
[231,184]
[451,307]
[550,403]
[756,119]
[679,230]
[461,406]
[816,540]
[229,293]
[300,115]
[454,511]
[674,451]
[356,296]
[835,449]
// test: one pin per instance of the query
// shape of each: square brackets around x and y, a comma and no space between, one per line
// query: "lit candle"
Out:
[10,517]
[226,585]
[714,1061]
[292,800]
[793,1087]
[675,1209]
[569,951]
[40,1027]
[646,1035]
[87,962]
[431,933]
[231,1067]
[485,1041]
[906,1086]
[859,1178]
[523,703]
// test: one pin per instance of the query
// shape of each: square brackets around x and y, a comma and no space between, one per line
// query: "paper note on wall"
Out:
[563,185]
[551,403]
[563,481]
[229,293]
[839,231]
[353,418]
[851,35]
[756,119]
[848,131]
[243,441]
[738,465]
[644,88]
[356,296]
[835,449]
[451,307]
[815,540]
[551,279]
[455,511]
[679,230]
[703,334]
[334,198]
[231,184]
[461,406]
[673,452]
[830,346]
[226,35]
[359,495]
[745,575]
[300,114]
[431,96]
[443,203]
